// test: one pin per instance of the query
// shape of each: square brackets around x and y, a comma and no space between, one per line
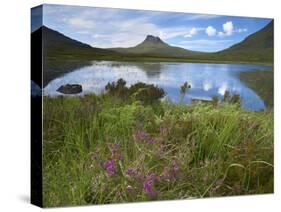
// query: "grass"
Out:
[262,82]
[102,149]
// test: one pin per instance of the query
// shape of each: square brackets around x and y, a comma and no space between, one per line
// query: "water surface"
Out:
[206,80]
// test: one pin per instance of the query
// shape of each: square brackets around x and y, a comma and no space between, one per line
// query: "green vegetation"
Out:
[120,147]
[256,47]
[262,82]
[183,90]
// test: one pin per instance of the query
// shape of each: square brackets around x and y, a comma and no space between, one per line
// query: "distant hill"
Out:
[256,47]
[62,54]
[154,46]
[57,43]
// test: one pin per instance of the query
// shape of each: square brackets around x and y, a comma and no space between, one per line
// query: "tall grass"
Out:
[104,149]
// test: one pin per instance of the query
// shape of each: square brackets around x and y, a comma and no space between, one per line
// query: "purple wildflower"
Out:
[110,167]
[170,172]
[149,182]
[150,176]
[147,186]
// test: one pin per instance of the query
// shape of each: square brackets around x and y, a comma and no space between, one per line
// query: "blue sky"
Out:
[105,27]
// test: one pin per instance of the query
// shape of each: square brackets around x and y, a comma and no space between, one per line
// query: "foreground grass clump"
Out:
[107,149]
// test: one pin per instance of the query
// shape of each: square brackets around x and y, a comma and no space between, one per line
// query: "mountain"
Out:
[57,43]
[154,46]
[61,54]
[256,47]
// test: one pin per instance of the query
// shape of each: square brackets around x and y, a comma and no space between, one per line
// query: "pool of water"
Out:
[206,80]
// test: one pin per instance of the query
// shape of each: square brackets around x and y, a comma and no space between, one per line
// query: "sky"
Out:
[107,28]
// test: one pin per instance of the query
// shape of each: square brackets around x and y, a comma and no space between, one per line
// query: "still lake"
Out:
[206,80]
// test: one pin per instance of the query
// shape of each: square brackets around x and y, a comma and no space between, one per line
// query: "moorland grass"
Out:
[106,149]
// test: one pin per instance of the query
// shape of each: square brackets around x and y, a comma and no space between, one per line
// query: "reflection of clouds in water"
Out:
[207,85]
[222,89]
[206,80]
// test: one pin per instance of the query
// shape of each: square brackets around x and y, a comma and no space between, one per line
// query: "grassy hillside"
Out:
[256,47]
[62,54]
[261,40]
[110,149]
[262,82]
[55,43]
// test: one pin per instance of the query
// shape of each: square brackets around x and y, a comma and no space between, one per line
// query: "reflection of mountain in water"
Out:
[56,68]
[152,70]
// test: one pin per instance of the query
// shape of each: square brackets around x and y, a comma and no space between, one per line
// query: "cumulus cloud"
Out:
[210,31]
[228,28]
[192,32]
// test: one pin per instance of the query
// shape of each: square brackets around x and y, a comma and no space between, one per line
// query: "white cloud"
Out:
[200,17]
[192,32]
[171,32]
[240,30]
[207,85]
[222,89]
[80,22]
[228,28]
[210,31]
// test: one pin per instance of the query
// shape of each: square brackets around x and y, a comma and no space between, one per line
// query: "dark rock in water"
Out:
[70,89]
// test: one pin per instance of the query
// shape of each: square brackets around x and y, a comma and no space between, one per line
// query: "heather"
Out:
[127,145]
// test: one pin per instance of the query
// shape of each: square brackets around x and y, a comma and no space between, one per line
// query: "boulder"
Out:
[70,89]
